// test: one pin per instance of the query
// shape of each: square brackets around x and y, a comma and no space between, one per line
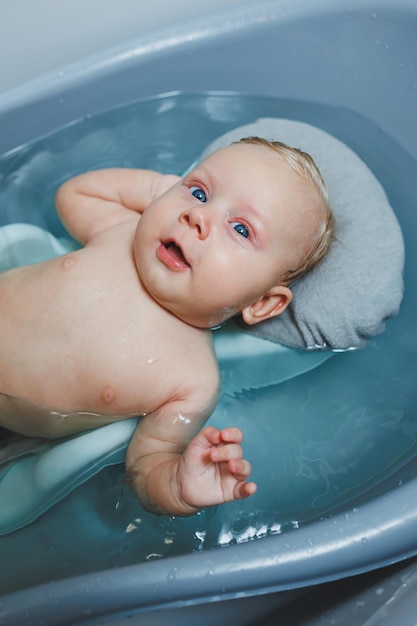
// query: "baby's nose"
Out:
[198,219]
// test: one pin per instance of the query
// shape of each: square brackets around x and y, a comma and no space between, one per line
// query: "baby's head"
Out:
[319,221]
[234,233]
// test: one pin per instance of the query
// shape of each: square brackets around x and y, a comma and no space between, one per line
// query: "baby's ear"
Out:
[273,303]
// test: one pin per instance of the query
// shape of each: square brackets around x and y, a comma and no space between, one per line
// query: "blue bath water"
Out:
[319,443]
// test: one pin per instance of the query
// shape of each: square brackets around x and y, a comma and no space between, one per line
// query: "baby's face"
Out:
[222,236]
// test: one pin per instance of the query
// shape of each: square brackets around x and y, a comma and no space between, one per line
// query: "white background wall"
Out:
[40,36]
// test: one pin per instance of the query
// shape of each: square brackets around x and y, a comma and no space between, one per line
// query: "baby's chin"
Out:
[191,315]
[208,321]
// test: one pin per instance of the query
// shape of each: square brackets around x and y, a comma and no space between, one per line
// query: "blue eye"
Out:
[241,229]
[198,193]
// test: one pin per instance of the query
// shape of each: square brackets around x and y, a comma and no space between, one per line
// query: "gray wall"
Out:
[43,36]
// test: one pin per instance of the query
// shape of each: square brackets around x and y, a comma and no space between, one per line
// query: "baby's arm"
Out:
[90,203]
[172,477]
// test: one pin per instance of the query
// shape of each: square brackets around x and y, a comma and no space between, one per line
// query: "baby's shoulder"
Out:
[203,384]
[198,350]
[196,360]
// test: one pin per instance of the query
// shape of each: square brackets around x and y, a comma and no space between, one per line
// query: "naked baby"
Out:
[121,327]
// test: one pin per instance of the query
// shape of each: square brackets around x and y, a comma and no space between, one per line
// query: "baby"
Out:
[120,327]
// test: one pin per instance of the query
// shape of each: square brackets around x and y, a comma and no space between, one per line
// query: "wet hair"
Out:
[303,165]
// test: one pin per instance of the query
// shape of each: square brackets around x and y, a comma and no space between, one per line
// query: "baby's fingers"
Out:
[226,452]
[231,435]
[244,490]
[213,436]
[240,468]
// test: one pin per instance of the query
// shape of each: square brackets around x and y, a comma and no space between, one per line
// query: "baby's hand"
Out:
[162,183]
[211,469]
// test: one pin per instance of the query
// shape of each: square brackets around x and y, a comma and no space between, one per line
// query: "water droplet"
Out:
[181,419]
[172,575]
[130,527]
[276,528]
[373,16]
[364,541]
[200,535]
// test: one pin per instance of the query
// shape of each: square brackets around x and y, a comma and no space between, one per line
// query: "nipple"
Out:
[68,262]
[108,394]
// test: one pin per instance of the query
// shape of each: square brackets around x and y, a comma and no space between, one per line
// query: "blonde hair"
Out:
[303,164]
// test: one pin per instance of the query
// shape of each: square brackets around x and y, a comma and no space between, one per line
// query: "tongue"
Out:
[176,254]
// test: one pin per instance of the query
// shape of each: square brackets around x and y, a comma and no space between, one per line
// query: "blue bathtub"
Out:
[355,564]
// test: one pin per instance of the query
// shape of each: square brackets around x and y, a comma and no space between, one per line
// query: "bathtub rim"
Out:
[380,533]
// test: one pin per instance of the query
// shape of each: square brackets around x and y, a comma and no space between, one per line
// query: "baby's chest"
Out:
[140,371]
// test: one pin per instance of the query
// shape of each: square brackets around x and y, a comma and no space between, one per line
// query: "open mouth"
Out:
[172,255]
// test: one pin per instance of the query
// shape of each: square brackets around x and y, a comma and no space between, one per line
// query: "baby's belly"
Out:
[26,418]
